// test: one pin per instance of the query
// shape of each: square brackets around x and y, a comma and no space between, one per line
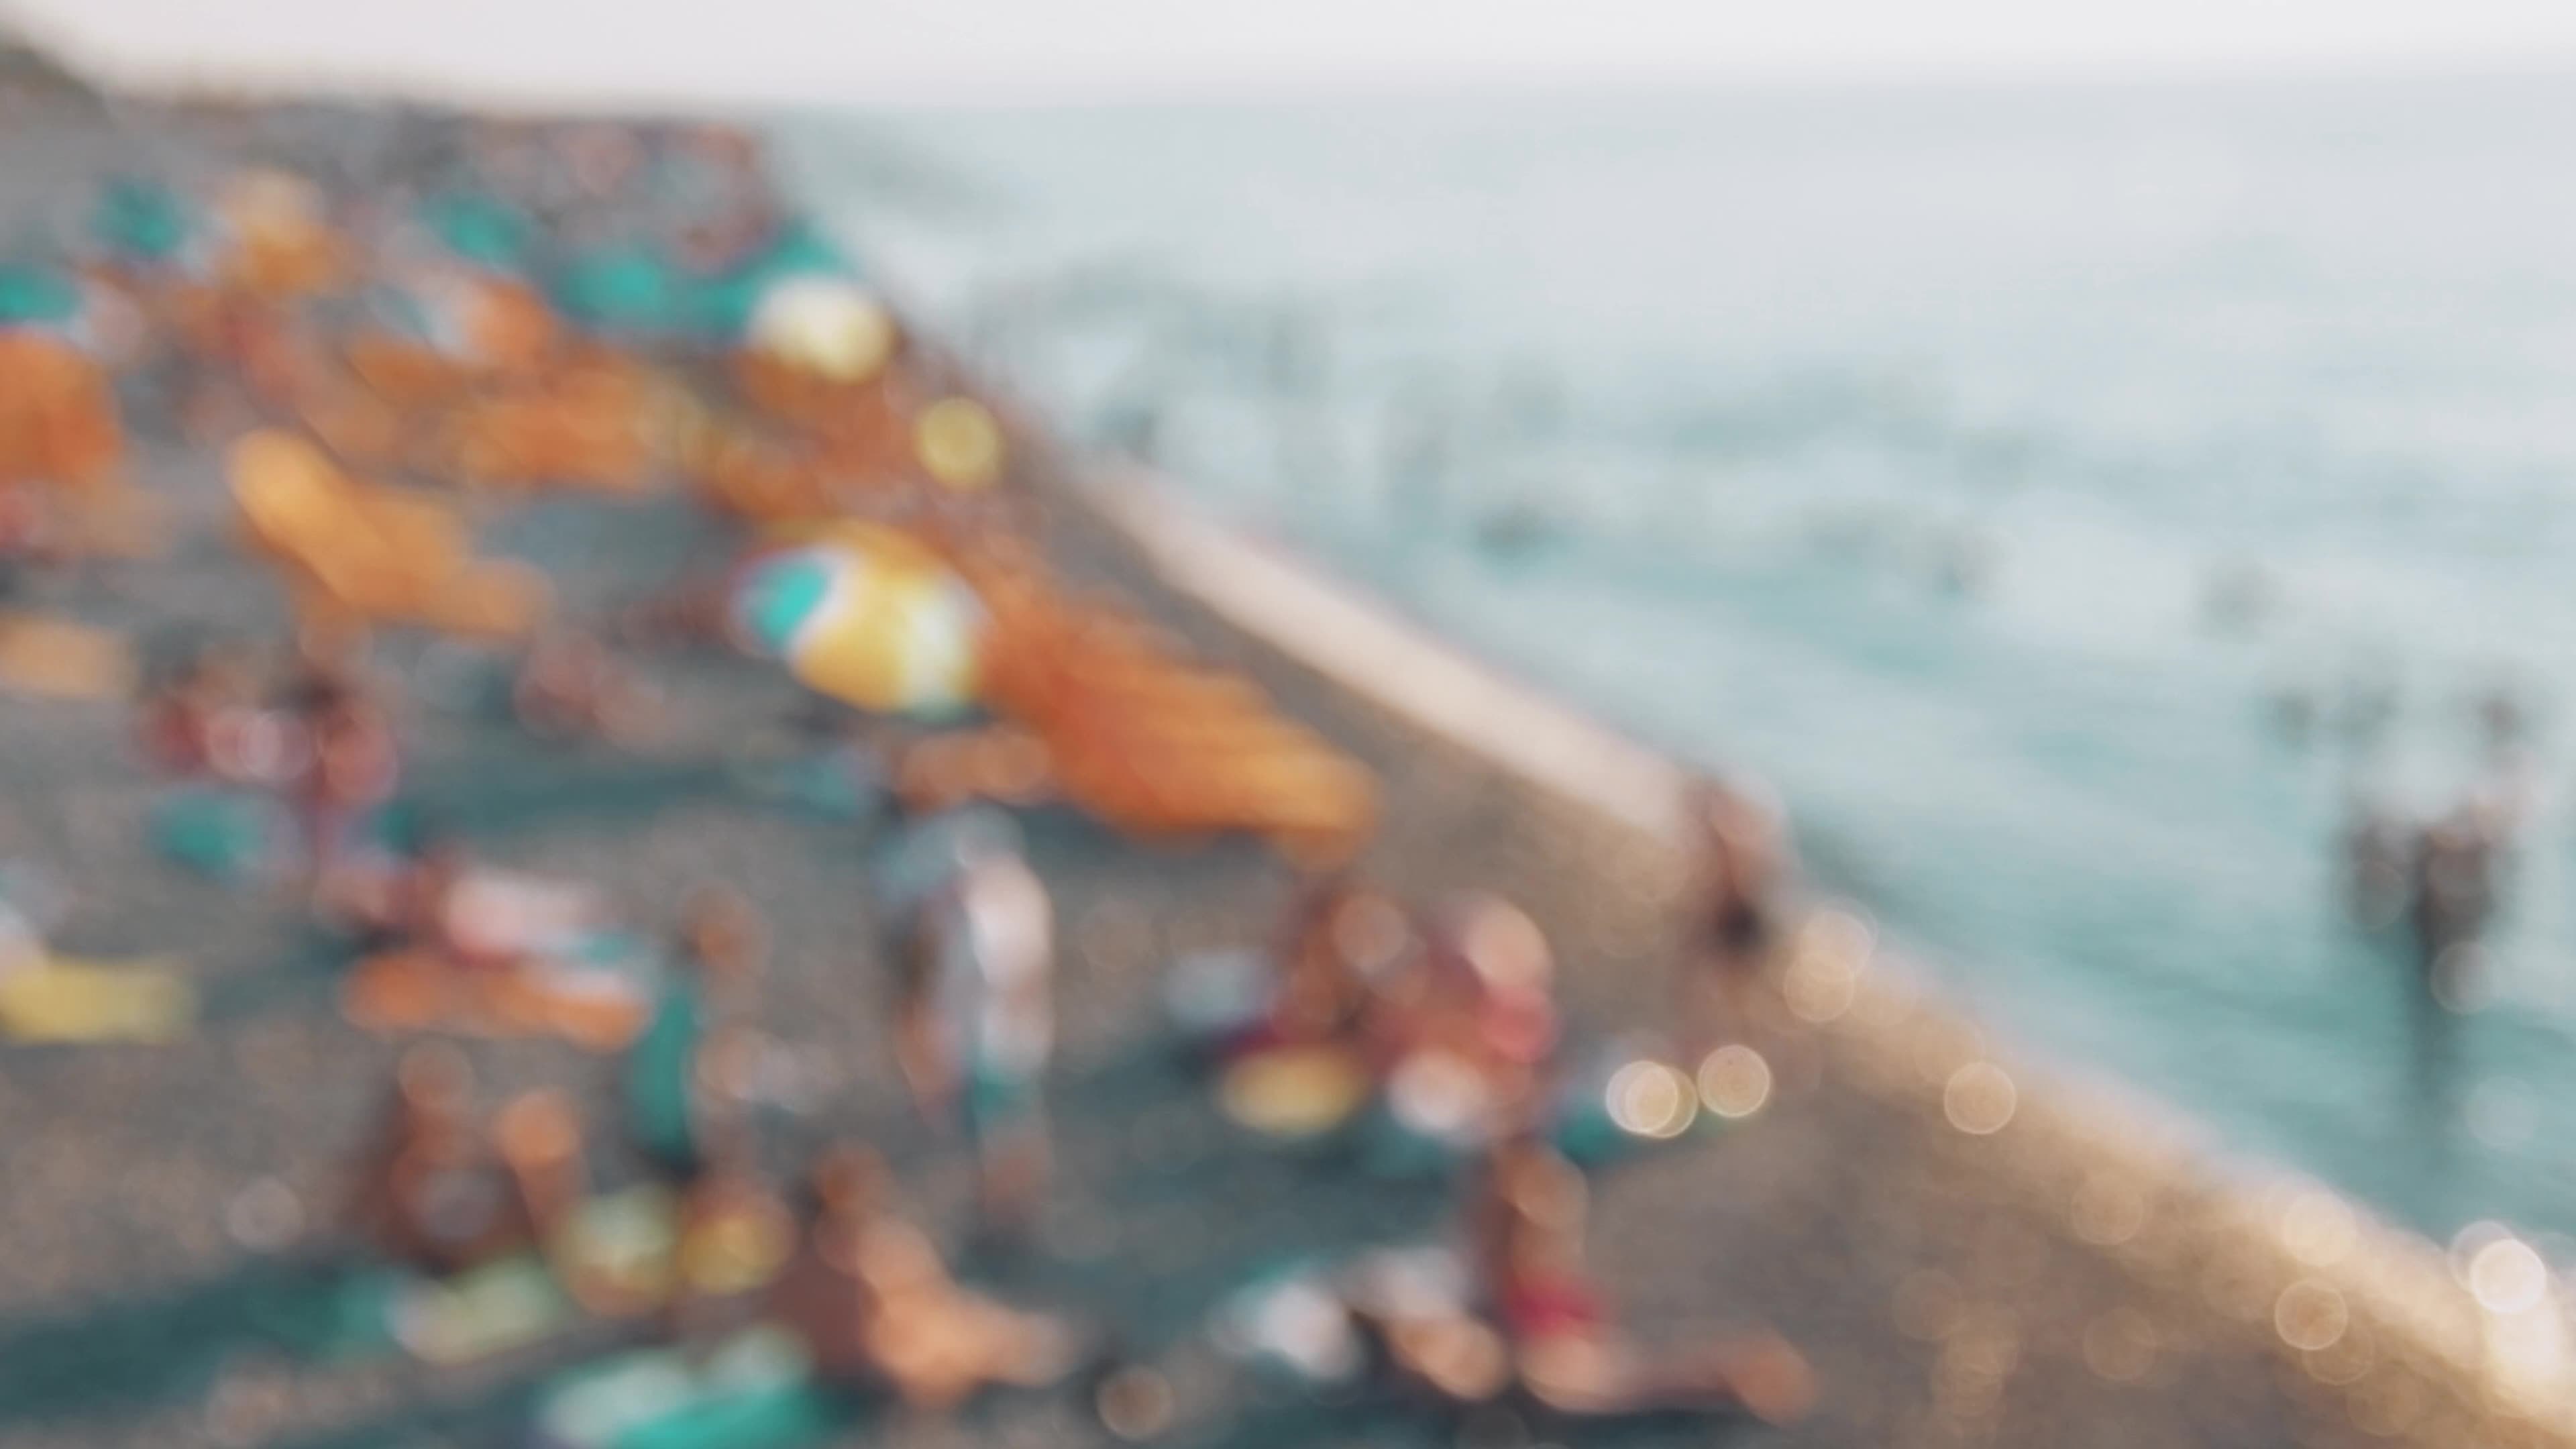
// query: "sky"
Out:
[1035,51]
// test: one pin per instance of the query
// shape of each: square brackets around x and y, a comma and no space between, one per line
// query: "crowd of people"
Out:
[602,308]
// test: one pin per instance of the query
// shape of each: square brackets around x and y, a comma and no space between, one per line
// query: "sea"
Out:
[2077,501]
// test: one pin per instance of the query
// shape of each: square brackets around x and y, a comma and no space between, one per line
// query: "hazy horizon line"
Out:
[1226,86]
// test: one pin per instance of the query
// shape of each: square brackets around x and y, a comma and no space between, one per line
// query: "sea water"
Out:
[2042,488]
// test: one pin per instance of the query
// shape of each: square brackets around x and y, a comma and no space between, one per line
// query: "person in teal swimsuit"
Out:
[678,1087]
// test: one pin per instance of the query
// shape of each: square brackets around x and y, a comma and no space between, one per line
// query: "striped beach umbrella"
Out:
[866,616]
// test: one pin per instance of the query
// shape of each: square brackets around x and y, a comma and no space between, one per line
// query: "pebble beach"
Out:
[1968,1256]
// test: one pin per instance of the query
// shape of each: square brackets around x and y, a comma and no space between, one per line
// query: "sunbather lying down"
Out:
[477,949]
[1515,1312]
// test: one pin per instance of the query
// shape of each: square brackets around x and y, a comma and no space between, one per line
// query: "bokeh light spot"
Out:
[1734,1081]
[1650,1099]
[1824,971]
[1980,1099]
[960,444]
[2507,1276]
[2309,1315]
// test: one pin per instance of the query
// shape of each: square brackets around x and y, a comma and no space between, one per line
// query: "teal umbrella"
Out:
[141,220]
[625,288]
[33,296]
[801,247]
[481,229]
[726,302]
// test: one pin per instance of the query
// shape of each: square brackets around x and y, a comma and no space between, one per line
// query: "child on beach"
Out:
[977,1015]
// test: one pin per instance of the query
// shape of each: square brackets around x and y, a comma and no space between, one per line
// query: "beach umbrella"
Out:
[867,616]
[142,221]
[34,296]
[727,303]
[480,229]
[629,288]
[277,239]
[374,553]
[802,247]
[58,412]
[829,326]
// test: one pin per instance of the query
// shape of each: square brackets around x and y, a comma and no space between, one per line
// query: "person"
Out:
[352,761]
[2379,855]
[203,717]
[977,1015]
[422,903]
[730,1234]
[28,539]
[1316,986]
[1342,938]
[1468,1032]
[568,685]
[437,1195]
[1526,1220]
[2453,895]
[691,612]
[1511,1306]
[1484,994]
[683,1086]
[1736,924]
[878,1310]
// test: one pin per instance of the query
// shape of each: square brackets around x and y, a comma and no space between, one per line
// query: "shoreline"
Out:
[2105,1222]
[2398,1280]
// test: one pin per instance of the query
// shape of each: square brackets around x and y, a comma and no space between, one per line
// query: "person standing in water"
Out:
[2454,896]
[2379,855]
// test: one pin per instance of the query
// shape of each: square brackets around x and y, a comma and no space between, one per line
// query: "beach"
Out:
[1966,1258]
